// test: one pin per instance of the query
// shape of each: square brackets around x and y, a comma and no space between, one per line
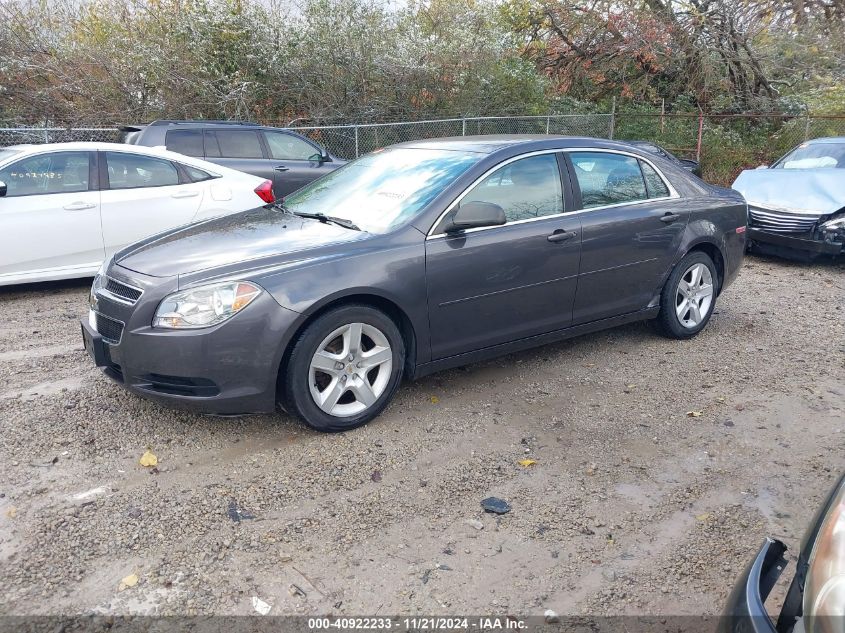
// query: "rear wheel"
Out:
[344,368]
[689,296]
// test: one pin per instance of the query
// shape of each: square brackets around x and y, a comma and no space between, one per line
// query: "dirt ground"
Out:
[660,467]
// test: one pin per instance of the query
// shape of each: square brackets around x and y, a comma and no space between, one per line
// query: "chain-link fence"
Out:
[725,144]
[22,135]
[350,141]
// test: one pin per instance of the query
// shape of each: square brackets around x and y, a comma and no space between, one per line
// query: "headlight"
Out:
[836,224]
[99,282]
[824,589]
[205,305]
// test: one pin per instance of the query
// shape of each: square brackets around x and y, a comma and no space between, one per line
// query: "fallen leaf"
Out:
[148,459]
[694,414]
[525,463]
[434,399]
[703,517]
[591,469]
[376,476]
[129,581]
[12,512]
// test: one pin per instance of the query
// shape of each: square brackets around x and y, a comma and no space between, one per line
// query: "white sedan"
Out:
[65,207]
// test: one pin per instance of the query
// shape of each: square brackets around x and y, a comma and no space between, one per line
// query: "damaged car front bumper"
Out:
[787,233]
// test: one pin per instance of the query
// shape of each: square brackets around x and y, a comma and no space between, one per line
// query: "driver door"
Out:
[493,285]
[295,162]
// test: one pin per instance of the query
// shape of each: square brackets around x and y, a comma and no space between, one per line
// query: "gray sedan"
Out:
[413,259]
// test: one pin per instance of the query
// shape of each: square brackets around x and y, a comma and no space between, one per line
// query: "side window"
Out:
[288,147]
[526,188]
[653,182]
[607,178]
[232,144]
[197,175]
[187,142]
[130,171]
[62,172]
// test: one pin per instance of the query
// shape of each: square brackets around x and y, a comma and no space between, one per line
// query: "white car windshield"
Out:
[380,191]
[814,156]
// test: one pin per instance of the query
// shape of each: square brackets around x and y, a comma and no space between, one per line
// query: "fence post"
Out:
[807,127]
[613,118]
[700,133]
[356,142]
[463,125]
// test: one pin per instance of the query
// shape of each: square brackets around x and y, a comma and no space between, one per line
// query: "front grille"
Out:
[109,329]
[781,222]
[127,293]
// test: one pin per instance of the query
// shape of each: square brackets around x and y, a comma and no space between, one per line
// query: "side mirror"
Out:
[689,163]
[3,189]
[322,156]
[474,215]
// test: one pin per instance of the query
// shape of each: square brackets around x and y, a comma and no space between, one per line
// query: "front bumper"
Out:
[230,368]
[746,610]
[804,244]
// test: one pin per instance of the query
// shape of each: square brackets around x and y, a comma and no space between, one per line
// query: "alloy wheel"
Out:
[694,296]
[350,369]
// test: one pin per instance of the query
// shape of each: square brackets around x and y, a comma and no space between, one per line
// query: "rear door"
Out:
[240,149]
[498,284]
[143,195]
[50,217]
[295,161]
[632,222]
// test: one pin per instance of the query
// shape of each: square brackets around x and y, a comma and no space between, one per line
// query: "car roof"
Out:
[826,139]
[488,144]
[93,146]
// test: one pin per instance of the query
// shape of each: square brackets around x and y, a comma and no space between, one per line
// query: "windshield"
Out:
[382,190]
[814,156]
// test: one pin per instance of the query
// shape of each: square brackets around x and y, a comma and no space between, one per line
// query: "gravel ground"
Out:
[660,466]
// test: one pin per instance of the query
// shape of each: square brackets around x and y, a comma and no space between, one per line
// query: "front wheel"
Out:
[689,296]
[344,368]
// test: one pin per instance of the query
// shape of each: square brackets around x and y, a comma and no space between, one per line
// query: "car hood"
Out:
[242,237]
[799,191]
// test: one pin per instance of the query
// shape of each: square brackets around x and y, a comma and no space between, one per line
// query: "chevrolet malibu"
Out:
[413,259]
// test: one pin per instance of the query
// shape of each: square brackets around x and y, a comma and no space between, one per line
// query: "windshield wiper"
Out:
[322,217]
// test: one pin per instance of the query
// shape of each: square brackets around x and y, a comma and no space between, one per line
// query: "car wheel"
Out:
[689,296]
[344,368]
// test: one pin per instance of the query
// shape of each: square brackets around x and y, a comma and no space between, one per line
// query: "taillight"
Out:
[265,191]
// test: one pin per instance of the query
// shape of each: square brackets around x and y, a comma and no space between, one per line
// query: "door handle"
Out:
[184,194]
[78,206]
[668,218]
[281,168]
[561,236]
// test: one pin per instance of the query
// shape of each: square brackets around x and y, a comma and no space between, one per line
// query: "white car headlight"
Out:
[99,282]
[205,305]
[824,589]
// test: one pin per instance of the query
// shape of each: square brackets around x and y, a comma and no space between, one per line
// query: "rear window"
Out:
[187,142]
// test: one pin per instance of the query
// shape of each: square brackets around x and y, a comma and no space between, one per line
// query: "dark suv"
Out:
[288,159]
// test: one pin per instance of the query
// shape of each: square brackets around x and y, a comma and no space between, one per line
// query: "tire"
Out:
[685,310]
[344,368]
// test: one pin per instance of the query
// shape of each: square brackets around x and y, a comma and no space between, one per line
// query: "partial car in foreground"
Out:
[416,258]
[289,159]
[815,602]
[65,207]
[692,166]
[796,207]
